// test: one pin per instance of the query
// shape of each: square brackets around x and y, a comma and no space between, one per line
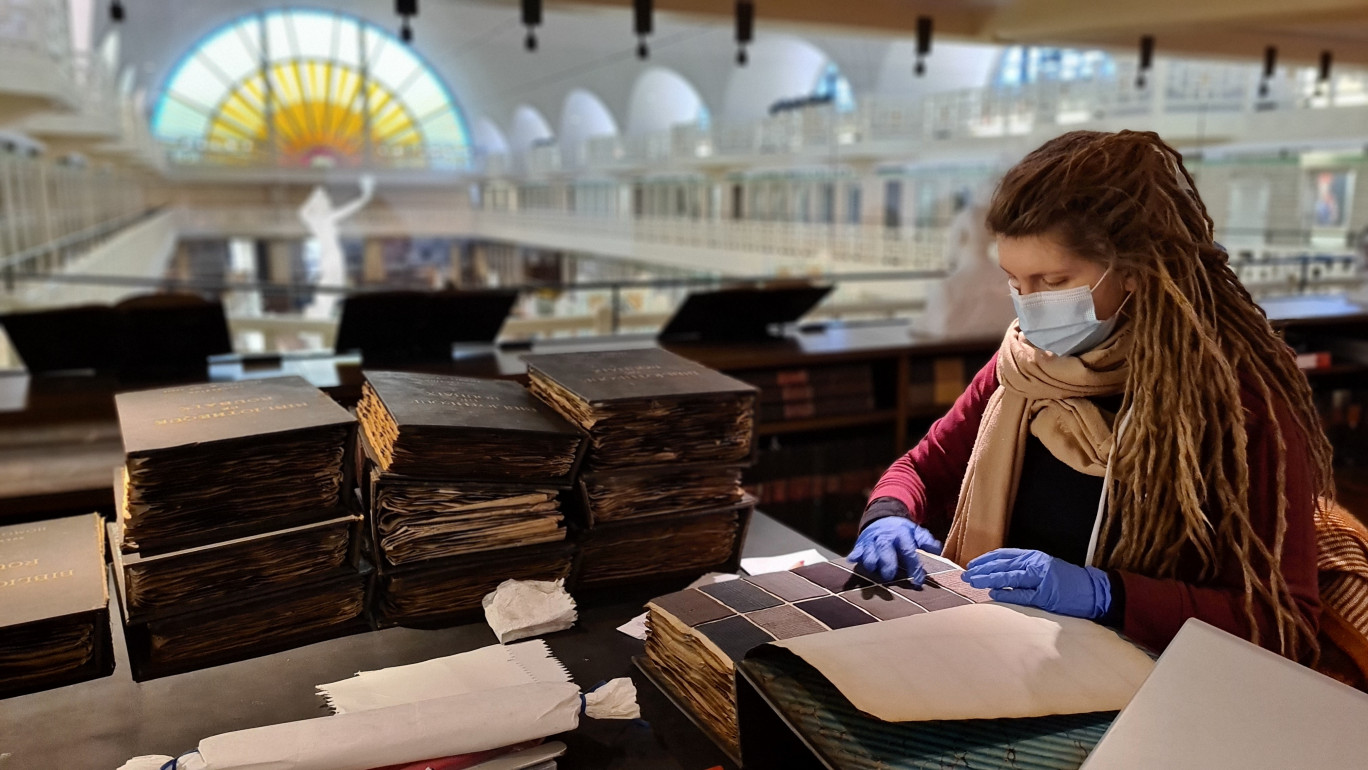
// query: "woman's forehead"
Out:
[1037,255]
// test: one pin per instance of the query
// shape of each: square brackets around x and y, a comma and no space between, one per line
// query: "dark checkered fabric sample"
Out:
[735,636]
[692,607]
[952,581]
[881,603]
[740,595]
[832,577]
[787,621]
[740,614]
[929,596]
[836,612]
[935,564]
[788,586]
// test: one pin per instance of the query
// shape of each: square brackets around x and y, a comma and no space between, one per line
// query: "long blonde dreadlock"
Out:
[1125,200]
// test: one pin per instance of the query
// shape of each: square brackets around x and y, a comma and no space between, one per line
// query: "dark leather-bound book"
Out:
[463,428]
[617,495]
[449,591]
[54,616]
[208,576]
[648,407]
[420,520]
[267,622]
[210,462]
[663,547]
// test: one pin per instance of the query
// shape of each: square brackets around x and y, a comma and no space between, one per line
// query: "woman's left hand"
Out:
[1036,579]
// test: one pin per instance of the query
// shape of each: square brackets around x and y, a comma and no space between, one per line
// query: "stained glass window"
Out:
[308,88]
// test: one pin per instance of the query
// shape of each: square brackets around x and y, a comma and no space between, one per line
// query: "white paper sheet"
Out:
[410,732]
[636,627]
[487,668]
[760,565]
[981,661]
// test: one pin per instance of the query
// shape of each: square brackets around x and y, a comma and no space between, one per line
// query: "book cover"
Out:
[270,621]
[193,416]
[648,407]
[448,427]
[446,592]
[54,599]
[610,376]
[663,547]
[167,584]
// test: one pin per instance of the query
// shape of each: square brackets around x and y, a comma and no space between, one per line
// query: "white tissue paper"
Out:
[461,704]
[518,609]
[487,668]
[616,699]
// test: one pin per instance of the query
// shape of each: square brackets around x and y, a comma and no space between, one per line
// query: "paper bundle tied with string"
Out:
[519,609]
[489,698]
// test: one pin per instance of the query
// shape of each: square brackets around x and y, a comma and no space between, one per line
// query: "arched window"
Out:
[1020,65]
[308,88]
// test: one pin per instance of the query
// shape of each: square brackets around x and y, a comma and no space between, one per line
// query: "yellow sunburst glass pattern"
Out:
[308,88]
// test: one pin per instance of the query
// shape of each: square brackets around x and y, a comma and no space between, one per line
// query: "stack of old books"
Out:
[696,636]
[660,491]
[233,537]
[54,604]
[461,479]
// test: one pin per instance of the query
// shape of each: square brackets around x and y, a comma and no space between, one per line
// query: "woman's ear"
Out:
[1129,283]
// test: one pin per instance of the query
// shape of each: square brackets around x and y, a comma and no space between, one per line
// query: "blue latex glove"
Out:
[890,544]
[1037,579]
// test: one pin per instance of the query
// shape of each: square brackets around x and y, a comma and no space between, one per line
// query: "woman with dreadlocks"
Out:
[1143,449]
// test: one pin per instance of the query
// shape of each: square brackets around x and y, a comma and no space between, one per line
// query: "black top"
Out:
[1055,506]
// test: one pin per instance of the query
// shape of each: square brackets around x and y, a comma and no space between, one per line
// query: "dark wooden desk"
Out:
[97,725]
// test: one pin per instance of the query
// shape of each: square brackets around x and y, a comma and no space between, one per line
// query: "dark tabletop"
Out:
[100,724]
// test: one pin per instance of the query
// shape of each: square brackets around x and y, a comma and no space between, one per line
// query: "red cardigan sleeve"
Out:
[1155,609]
[927,479]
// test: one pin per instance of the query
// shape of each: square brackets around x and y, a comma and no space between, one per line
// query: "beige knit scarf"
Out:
[1046,395]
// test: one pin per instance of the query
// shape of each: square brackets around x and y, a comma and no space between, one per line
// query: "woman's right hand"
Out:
[889,546]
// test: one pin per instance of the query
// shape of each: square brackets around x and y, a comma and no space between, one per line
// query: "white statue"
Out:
[324,247]
[973,300]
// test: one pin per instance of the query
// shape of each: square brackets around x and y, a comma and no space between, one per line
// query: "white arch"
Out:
[528,127]
[489,138]
[583,116]
[950,67]
[781,67]
[662,98]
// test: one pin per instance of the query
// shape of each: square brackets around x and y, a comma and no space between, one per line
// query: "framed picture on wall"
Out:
[1329,196]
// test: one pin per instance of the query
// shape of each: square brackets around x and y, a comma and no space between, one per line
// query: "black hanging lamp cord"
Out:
[1146,60]
[1326,59]
[924,29]
[531,18]
[642,11]
[745,29]
[1270,66]
[406,9]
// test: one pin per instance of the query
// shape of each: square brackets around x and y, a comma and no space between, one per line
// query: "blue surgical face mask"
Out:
[1064,322]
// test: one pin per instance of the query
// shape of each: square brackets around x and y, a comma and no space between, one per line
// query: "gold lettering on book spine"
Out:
[42,577]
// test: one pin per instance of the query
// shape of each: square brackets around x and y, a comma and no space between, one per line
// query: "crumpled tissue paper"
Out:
[615,699]
[518,609]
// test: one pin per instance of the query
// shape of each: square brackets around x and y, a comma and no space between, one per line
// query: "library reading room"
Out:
[683,385]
